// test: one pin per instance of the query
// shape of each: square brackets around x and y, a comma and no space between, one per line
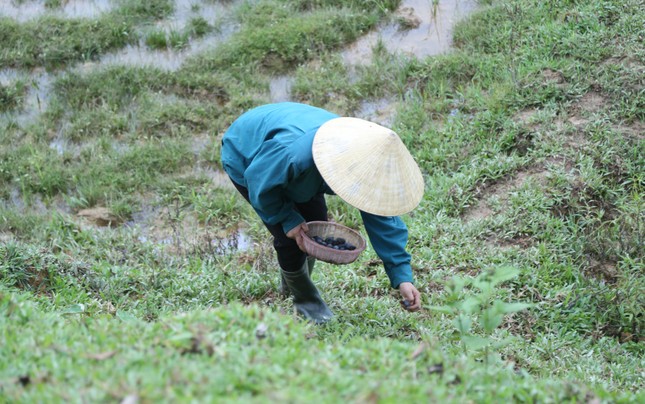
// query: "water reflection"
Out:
[215,14]
[166,59]
[185,10]
[217,177]
[162,227]
[235,242]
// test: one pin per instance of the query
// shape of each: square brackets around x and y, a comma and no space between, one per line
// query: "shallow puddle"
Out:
[218,178]
[34,203]
[215,14]
[181,233]
[237,241]
[429,32]
[60,145]
[31,9]
[16,199]
[170,60]
[35,101]
[432,36]
[185,10]
[280,88]
[381,111]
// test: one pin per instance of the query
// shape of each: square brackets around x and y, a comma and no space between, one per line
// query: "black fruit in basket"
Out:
[337,243]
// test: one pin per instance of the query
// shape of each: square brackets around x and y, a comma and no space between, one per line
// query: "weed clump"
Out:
[286,41]
[11,96]
[51,41]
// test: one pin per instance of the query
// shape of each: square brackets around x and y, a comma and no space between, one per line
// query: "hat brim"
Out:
[368,166]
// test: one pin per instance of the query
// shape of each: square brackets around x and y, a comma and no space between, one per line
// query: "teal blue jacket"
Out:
[268,151]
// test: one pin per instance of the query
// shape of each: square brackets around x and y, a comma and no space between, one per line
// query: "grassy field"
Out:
[131,271]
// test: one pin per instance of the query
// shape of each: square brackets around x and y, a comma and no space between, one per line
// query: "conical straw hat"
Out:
[368,166]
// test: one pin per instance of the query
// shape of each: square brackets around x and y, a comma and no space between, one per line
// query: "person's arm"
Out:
[389,236]
[266,178]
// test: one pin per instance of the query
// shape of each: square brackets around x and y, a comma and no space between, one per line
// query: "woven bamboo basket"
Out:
[328,254]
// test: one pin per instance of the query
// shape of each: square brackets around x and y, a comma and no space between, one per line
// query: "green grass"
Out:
[277,38]
[185,346]
[198,27]
[160,39]
[51,41]
[11,95]
[529,135]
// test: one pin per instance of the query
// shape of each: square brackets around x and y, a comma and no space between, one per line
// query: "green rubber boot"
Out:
[284,289]
[311,261]
[306,297]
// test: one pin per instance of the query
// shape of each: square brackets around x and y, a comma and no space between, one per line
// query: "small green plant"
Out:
[483,306]
[11,96]
[198,27]
[52,4]
[157,40]
[160,39]
[178,40]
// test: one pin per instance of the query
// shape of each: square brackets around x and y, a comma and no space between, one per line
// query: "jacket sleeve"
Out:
[389,236]
[266,178]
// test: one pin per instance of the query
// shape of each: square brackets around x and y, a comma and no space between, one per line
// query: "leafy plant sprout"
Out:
[482,307]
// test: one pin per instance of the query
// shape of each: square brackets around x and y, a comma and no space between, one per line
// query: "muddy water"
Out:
[432,36]
[39,81]
[380,111]
[429,34]
[31,9]
[35,102]
[170,60]
[185,10]
[216,14]
[280,88]
[178,233]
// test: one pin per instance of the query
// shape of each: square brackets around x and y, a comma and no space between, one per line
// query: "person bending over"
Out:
[284,157]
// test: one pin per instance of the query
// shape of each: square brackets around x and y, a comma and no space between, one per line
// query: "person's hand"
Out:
[411,295]
[296,234]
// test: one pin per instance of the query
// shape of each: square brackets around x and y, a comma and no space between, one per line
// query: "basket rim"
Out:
[327,254]
[336,225]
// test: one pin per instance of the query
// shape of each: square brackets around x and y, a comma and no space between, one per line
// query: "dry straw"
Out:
[368,166]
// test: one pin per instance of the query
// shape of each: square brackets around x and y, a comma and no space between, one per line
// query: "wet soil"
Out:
[419,28]
[29,10]
[179,233]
